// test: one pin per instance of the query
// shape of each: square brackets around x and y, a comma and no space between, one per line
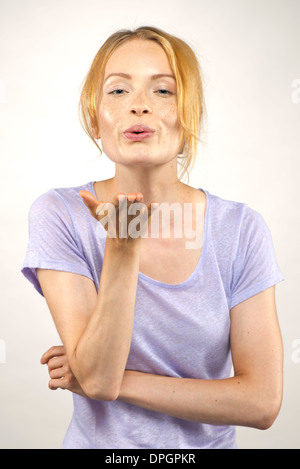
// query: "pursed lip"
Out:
[138,132]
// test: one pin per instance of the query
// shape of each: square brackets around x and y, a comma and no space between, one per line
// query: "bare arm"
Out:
[96,329]
[251,398]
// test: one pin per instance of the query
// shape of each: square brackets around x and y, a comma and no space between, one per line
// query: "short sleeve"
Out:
[254,267]
[52,240]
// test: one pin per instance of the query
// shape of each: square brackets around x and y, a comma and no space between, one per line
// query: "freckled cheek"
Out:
[108,117]
[169,117]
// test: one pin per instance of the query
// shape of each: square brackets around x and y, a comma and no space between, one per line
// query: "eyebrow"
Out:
[128,77]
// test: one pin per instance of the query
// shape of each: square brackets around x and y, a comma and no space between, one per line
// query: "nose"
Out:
[140,107]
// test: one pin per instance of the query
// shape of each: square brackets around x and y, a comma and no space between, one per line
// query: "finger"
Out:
[103,210]
[139,227]
[60,372]
[131,197]
[57,362]
[139,197]
[146,220]
[122,215]
[117,216]
[90,202]
[134,204]
[57,384]
[89,199]
[152,207]
[119,197]
[54,351]
[106,212]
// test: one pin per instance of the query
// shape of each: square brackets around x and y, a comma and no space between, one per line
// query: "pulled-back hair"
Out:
[186,69]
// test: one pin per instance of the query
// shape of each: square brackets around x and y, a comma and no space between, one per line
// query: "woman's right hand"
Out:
[125,217]
[97,324]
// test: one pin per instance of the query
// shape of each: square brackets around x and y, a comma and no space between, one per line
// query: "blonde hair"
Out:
[185,66]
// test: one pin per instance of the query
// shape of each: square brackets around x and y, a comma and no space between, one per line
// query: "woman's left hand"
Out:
[61,375]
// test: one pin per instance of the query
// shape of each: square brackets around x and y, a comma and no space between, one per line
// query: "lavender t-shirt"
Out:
[180,330]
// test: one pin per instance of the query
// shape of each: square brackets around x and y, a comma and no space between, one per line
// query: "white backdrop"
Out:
[249,52]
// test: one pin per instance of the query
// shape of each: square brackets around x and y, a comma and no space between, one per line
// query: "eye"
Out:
[164,92]
[117,92]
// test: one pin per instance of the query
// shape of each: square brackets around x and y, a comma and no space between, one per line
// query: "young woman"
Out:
[151,326]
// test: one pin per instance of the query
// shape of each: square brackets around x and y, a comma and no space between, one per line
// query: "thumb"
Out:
[90,201]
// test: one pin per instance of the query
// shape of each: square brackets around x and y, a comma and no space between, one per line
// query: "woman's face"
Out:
[137,114]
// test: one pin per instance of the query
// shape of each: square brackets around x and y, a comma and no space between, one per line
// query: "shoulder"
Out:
[59,201]
[229,213]
[231,222]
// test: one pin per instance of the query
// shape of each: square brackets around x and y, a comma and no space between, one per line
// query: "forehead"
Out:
[136,55]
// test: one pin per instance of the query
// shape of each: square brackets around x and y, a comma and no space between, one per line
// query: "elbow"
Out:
[267,419]
[95,385]
[262,400]
[100,393]
[267,413]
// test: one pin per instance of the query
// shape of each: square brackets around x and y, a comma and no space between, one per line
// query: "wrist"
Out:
[123,247]
[128,385]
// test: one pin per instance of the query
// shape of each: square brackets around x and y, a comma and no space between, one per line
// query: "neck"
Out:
[159,184]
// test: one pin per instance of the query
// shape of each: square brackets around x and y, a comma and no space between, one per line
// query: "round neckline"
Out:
[202,255]
[194,273]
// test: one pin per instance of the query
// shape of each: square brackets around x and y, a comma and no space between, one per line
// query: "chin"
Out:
[143,158]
